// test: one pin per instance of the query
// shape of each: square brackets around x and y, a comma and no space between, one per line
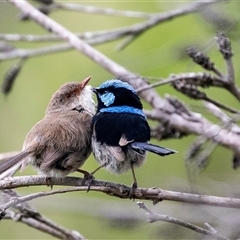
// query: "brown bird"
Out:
[61,142]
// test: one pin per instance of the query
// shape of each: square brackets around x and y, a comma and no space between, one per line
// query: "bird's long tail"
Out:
[5,165]
[151,148]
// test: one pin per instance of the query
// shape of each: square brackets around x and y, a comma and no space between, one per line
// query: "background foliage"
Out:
[158,52]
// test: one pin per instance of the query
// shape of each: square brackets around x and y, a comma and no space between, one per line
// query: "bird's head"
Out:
[116,93]
[72,95]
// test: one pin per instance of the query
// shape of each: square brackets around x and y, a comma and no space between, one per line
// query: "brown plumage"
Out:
[61,142]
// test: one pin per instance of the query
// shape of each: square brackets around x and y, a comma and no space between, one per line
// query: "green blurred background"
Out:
[158,52]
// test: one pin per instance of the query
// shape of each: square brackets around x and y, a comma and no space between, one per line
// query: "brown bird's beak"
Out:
[85,82]
[80,87]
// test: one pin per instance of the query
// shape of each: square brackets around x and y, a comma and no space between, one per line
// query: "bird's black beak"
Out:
[95,90]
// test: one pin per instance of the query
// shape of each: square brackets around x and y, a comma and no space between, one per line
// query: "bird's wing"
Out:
[117,152]
[124,141]
[51,156]
[55,138]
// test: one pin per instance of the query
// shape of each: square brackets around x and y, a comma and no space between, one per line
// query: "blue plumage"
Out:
[116,84]
[123,109]
[120,130]
[107,98]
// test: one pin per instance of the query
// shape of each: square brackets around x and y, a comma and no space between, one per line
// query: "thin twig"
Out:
[139,28]
[104,11]
[217,112]
[31,222]
[30,216]
[51,37]
[200,78]
[105,35]
[226,50]
[221,105]
[203,60]
[154,217]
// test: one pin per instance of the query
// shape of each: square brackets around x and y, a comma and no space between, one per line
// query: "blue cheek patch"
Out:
[123,109]
[107,98]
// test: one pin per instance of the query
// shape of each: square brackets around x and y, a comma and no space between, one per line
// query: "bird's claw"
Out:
[134,186]
[87,180]
[49,182]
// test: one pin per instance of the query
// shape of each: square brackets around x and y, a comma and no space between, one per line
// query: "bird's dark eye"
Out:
[78,108]
[102,91]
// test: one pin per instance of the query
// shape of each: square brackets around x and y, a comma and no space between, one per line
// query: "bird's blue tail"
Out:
[151,148]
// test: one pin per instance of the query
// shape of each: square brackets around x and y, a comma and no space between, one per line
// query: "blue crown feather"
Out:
[116,84]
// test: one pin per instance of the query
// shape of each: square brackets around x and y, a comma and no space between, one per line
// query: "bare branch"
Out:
[112,189]
[191,90]
[221,105]
[226,50]
[154,217]
[65,34]
[198,125]
[218,113]
[166,16]
[30,216]
[224,46]
[203,60]
[31,222]
[104,11]
[199,79]
[104,36]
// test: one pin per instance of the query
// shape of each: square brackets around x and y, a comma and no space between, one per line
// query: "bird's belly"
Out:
[105,157]
[61,167]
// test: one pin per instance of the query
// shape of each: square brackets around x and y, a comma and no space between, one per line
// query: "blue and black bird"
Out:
[120,130]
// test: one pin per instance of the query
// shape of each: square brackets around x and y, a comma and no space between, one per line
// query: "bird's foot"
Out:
[49,182]
[134,186]
[87,179]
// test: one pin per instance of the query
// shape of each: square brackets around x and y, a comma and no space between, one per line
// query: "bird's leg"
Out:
[101,166]
[87,179]
[134,184]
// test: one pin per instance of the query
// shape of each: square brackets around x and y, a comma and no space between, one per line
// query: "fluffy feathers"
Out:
[61,142]
[120,130]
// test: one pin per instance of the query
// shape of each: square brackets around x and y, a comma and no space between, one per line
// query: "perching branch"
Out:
[112,189]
